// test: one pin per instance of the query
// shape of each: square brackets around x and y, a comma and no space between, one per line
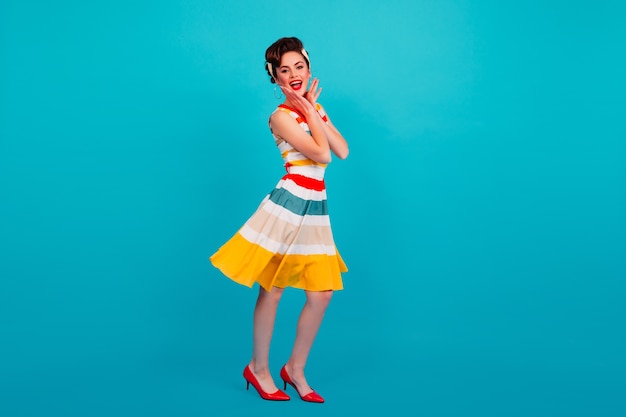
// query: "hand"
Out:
[313,92]
[300,103]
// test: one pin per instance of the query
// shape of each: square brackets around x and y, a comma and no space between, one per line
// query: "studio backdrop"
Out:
[481,211]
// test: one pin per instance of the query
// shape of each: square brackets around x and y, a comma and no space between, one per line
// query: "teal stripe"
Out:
[298,205]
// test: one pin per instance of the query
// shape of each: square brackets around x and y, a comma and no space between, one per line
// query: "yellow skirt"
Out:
[246,263]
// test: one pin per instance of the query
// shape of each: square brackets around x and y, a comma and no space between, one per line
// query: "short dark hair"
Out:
[275,52]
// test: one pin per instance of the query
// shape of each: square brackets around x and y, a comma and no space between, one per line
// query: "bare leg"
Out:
[308,325]
[264,317]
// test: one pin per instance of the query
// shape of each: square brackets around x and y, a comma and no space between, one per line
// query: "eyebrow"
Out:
[287,66]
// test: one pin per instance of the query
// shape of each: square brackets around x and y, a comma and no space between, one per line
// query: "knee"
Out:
[321,298]
[272,296]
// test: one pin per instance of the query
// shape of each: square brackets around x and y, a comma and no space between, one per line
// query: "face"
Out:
[293,72]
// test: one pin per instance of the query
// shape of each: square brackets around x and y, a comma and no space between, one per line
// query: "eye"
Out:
[300,67]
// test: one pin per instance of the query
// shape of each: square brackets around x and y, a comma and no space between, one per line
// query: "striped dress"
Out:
[288,241]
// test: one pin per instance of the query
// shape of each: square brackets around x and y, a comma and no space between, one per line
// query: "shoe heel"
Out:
[313,397]
[251,379]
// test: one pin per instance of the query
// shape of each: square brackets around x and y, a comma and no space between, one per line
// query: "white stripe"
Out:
[312,171]
[295,156]
[283,248]
[284,146]
[311,250]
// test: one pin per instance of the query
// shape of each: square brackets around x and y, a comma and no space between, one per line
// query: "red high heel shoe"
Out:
[251,379]
[312,397]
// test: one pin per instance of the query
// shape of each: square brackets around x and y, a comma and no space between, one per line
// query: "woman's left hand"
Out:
[314,92]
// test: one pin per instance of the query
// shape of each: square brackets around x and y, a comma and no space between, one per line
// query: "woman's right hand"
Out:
[300,103]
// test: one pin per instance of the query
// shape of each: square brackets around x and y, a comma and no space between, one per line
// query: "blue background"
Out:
[481,210]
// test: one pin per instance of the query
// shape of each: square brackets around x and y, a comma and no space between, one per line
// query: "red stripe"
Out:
[284,106]
[306,182]
[301,118]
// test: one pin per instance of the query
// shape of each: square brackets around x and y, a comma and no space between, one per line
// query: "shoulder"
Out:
[282,119]
[283,112]
[280,114]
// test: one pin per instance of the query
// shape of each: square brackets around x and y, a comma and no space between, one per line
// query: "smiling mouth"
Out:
[296,85]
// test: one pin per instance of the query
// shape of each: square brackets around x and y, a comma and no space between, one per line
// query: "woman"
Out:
[288,241]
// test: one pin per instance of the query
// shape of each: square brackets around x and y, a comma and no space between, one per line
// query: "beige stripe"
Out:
[273,228]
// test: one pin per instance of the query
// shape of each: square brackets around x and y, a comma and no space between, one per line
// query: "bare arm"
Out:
[286,127]
[336,141]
